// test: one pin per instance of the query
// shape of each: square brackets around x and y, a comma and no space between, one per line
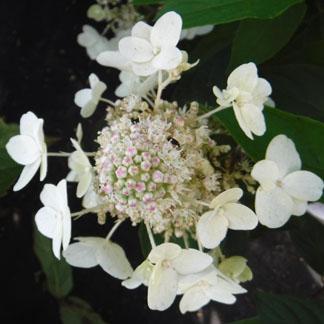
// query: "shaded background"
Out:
[41,67]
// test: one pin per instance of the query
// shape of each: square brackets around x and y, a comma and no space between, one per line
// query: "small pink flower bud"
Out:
[121,172]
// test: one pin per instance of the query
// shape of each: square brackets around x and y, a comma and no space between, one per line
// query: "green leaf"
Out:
[298,88]
[258,40]
[203,12]
[9,169]
[58,273]
[74,310]
[288,310]
[308,237]
[307,134]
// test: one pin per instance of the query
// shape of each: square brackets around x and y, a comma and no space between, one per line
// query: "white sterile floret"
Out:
[132,84]
[92,251]
[247,93]
[88,99]
[81,169]
[29,149]
[54,219]
[148,49]
[93,42]
[170,261]
[317,211]
[226,214]
[200,288]
[191,33]
[284,188]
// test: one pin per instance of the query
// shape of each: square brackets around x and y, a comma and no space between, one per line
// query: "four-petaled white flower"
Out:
[199,289]
[81,169]
[247,93]
[54,219]
[170,261]
[191,33]
[132,84]
[88,99]
[29,149]
[93,42]
[284,188]
[92,251]
[148,49]
[226,214]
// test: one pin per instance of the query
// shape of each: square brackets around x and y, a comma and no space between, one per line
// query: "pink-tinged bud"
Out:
[131,151]
[107,188]
[125,192]
[131,184]
[155,161]
[115,138]
[120,207]
[145,177]
[140,186]
[137,159]
[127,161]
[151,206]
[145,165]
[158,176]
[121,172]
[147,197]
[151,186]
[132,203]
[146,155]
[133,170]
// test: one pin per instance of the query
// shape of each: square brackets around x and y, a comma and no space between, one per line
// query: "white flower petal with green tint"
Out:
[165,251]
[26,175]
[273,208]
[282,151]
[112,258]
[136,49]
[228,196]
[162,287]
[193,299]
[140,276]
[266,172]
[211,229]
[254,119]
[303,185]
[191,261]
[240,217]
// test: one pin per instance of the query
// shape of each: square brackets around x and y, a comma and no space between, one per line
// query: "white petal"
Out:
[82,97]
[98,90]
[220,295]
[112,258]
[303,185]
[143,69]
[51,197]
[282,150]
[228,196]
[88,37]
[266,172]
[29,123]
[61,187]
[43,165]
[26,175]
[84,184]
[193,300]
[241,121]
[46,219]
[23,149]
[141,275]
[217,92]
[244,77]
[317,210]
[164,251]
[261,92]
[254,119]
[88,109]
[162,288]
[80,255]
[142,30]
[229,285]
[169,58]
[240,217]
[66,231]
[57,239]
[211,229]
[114,59]
[273,208]
[166,31]
[136,49]
[299,207]
[191,261]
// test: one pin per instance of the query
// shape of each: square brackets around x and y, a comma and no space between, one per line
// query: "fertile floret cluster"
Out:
[152,164]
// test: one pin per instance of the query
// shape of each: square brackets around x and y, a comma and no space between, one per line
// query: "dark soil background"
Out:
[41,67]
